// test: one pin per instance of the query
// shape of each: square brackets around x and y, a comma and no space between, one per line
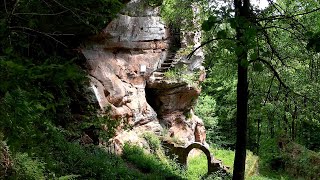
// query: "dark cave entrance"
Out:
[153,99]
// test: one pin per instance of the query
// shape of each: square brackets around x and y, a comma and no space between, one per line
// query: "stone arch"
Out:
[183,152]
[213,164]
[197,146]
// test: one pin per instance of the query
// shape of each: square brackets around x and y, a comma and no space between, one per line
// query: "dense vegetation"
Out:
[262,80]
[278,48]
[44,104]
[42,90]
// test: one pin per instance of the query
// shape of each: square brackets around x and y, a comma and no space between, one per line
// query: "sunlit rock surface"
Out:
[121,60]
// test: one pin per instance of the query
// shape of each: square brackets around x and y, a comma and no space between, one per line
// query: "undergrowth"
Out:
[155,163]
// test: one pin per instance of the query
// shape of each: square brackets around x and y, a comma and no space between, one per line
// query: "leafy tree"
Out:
[259,41]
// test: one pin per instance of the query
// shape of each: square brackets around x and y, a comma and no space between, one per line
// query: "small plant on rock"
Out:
[153,141]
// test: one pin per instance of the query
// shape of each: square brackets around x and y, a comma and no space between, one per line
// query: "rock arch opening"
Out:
[183,152]
[200,147]
[196,162]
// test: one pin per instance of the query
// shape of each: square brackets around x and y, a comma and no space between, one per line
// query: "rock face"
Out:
[121,61]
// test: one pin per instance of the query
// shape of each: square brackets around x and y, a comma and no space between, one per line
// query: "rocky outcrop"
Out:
[173,103]
[121,61]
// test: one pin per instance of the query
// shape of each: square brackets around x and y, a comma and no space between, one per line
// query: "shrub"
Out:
[153,141]
[160,166]
[301,162]
[28,168]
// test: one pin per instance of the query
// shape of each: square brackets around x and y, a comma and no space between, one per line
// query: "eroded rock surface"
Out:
[121,61]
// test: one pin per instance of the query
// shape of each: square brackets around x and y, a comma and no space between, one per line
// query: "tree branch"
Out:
[205,43]
[288,17]
[275,73]
[273,50]
[75,14]
[275,5]
[39,32]
[39,14]
[285,29]
[269,90]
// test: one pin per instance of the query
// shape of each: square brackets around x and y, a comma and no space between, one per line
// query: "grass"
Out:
[197,166]
[153,166]
[69,160]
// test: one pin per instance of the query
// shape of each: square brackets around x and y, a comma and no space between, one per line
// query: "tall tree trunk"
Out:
[241,12]
[259,135]
[286,109]
[293,125]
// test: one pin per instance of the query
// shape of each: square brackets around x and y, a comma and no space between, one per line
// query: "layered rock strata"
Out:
[121,61]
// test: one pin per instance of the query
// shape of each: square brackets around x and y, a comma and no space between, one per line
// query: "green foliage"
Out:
[172,74]
[42,90]
[209,24]
[42,85]
[68,177]
[76,17]
[227,156]
[27,168]
[301,162]
[153,141]
[182,74]
[197,166]
[179,17]
[197,169]
[160,166]
[21,117]
[183,52]
[218,176]
[205,109]
[219,95]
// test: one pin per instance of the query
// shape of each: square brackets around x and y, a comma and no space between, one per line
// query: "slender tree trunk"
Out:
[293,125]
[286,109]
[241,12]
[242,104]
[259,135]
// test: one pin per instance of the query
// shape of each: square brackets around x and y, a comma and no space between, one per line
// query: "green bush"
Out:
[183,75]
[172,74]
[157,166]
[28,168]
[153,141]
[218,176]
[301,162]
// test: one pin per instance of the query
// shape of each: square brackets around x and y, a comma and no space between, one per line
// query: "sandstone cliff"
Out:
[127,64]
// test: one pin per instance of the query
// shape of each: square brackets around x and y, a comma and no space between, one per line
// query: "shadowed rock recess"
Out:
[127,63]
